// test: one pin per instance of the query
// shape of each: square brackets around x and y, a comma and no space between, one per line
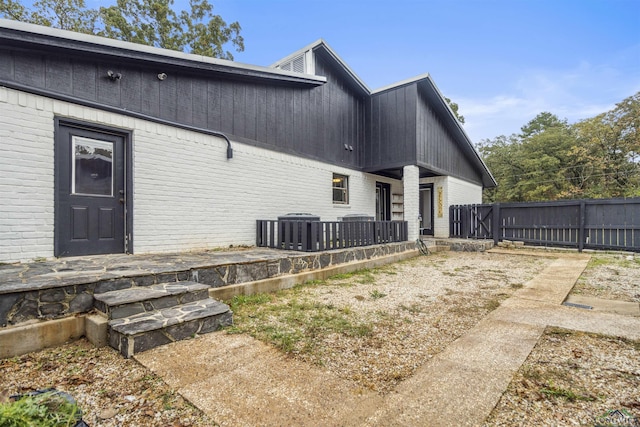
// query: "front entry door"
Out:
[383,201]
[90,192]
[426,209]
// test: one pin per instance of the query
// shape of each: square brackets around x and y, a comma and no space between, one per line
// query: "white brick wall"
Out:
[26,176]
[210,201]
[411,179]
[187,195]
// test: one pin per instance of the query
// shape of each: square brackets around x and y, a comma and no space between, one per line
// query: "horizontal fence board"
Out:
[313,236]
[592,224]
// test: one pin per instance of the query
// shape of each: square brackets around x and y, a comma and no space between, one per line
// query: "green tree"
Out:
[155,23]
[502,155]
[608,148]
[530,166]
[454,107]
[150,22]
[69,15]
[550,159]
[541,123]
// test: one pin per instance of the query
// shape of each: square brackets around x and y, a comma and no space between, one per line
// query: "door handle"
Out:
[122,200]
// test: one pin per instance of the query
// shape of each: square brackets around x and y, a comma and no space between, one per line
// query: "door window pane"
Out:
[92,167]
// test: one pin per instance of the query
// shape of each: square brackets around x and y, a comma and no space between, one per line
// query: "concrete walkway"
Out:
[466,380]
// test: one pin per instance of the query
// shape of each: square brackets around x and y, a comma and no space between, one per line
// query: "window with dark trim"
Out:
[340,187]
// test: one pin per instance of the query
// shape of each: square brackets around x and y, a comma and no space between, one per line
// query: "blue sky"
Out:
[502,61]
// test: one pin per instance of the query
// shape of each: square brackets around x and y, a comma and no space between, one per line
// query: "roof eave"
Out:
[487,177]
[90,43]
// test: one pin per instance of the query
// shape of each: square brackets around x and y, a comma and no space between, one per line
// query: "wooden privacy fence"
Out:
[582,224]
[313,236]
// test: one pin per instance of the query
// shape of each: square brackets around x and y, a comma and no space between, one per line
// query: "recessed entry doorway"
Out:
[92,203]
[426,209]
[383,201]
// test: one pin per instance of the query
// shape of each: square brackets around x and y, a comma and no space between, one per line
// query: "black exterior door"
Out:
[383,201]
[90,194]
[426,209]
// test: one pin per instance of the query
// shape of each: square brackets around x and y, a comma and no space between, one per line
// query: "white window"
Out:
[340,189]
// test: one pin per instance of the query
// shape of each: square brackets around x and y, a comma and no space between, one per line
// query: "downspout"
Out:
[229,149]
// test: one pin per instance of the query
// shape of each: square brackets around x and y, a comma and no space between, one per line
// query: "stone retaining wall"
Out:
[65,300]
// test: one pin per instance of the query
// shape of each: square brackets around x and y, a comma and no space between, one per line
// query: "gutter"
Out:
[91,104]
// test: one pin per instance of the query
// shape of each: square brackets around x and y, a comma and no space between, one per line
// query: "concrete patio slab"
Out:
[255,376]
[625,308]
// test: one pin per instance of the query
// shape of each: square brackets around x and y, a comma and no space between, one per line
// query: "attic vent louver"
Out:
[297,64]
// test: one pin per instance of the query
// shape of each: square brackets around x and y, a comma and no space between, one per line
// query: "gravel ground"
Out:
[416,308]
[573,378]
[612,277]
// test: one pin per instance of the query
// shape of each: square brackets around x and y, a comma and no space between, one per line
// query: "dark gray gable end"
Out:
[331,116]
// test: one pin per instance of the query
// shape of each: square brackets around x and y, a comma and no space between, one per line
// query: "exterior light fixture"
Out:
[113,76]
[162,76]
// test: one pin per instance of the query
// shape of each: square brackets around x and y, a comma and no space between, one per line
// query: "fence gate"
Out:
[471,221]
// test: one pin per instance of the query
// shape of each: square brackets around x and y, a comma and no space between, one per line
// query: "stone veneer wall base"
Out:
[278,283]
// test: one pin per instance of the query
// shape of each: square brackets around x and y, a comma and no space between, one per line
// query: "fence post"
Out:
[581,226]
[495,223]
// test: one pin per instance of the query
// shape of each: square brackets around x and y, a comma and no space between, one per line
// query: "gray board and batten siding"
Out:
[330,116]
[302,116]
[407,128]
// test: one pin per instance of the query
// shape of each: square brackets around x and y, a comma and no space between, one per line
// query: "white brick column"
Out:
[411,184]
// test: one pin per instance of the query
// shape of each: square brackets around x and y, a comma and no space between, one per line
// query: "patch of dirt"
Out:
[110,390]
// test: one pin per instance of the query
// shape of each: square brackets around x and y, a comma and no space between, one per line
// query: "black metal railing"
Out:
[581,224]
[313,236]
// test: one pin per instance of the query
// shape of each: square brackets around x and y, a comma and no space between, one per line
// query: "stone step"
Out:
[141,299]
[140,332]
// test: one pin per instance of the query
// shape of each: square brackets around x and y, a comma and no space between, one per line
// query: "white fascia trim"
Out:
[464,133]
[346,67]
[118,44]
[402,83]
[297,53]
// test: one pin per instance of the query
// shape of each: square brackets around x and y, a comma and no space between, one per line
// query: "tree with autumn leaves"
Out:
[550,159]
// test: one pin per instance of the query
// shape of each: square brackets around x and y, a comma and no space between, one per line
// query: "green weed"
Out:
[414,308]
[43,410]
[294,323]
[249,300]
[376,294]
[553,391]
[491,305]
